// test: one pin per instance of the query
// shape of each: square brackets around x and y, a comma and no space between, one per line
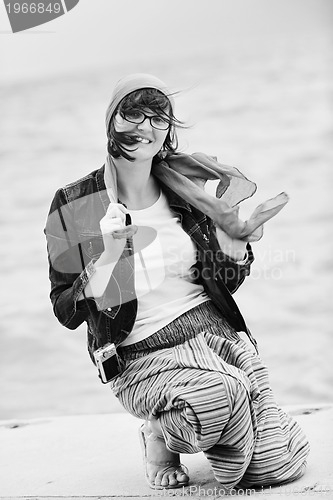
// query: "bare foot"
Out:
[163,468]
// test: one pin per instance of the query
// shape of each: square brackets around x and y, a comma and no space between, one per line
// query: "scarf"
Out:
[186,175]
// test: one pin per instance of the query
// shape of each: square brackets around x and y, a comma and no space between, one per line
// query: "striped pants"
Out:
[210,392]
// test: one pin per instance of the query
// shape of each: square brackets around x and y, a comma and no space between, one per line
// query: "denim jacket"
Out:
[75,242]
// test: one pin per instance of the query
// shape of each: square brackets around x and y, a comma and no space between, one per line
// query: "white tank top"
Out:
[164,280]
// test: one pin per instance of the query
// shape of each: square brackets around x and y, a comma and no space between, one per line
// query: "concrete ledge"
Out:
[99,456]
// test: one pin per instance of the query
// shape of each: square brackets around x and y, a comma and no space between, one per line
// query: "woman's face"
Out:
[149,140]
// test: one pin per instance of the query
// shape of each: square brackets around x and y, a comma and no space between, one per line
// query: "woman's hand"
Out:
[114,220]
[234,248]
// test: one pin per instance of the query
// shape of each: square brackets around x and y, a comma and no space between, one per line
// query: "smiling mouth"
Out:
[142,140]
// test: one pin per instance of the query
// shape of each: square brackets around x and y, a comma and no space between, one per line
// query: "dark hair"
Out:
[159,104]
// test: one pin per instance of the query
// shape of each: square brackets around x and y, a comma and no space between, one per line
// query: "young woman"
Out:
[150,262]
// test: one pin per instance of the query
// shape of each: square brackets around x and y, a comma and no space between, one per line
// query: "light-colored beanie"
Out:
[129,84]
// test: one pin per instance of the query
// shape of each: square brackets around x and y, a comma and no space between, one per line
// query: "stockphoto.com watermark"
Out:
[24,15]
[271,263]
[219,492]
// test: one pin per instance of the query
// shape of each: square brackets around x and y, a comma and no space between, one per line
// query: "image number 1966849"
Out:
[24,15]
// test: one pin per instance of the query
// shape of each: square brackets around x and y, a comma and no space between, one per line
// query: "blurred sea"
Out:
[262,108]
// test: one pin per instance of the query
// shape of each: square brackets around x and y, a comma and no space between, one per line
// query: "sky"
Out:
[97,33]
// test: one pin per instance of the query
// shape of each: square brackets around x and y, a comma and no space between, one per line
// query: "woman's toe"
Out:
[168,479]
[160,479]
[182,477]
[172,481]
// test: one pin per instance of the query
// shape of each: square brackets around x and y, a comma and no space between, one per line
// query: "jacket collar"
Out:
[101,187]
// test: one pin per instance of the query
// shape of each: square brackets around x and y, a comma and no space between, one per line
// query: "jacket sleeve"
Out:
[68,272]
[232,273]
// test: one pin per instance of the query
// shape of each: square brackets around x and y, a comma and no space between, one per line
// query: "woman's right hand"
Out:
[114,220]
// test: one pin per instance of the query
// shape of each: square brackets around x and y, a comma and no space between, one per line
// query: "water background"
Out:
[263,107]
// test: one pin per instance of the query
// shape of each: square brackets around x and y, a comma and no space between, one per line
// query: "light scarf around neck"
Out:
[186,175]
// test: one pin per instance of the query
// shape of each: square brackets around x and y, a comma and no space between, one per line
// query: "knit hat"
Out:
[129,84]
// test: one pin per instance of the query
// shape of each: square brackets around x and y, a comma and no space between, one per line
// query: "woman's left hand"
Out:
[234,248]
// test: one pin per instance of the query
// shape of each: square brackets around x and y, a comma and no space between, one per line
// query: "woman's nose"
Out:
[145,125]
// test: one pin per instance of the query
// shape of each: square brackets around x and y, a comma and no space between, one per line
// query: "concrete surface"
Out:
[99,456]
